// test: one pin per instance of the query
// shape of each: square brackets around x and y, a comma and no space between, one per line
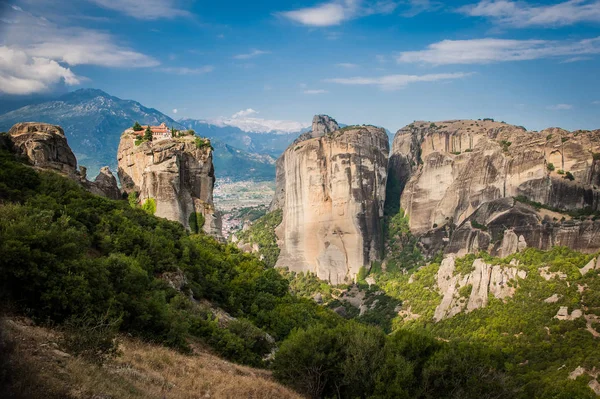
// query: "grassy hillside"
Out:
[40,367]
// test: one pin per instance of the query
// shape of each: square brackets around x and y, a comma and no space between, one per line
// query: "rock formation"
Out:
[176,174]
[484,279]
[46,147]
[331,188]
[448,171]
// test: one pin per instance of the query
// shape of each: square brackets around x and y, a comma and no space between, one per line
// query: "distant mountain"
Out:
[271,143]
[94,120]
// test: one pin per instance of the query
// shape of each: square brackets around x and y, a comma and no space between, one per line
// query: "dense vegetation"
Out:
[70,256]
[262,233]
[539,351]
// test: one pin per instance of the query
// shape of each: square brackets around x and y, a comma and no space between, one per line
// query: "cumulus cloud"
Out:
[147,9]
[38,54]
[521,14]
[336,12]
[174,110]
[394,82]
[23,74]
[252,54]
[315,91]
[560,107]
[489,50]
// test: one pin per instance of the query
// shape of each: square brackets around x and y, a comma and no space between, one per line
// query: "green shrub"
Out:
[560,172]
[262,232]
[596,156]
[569,176]
[550,166]
[137,127]
[150,206]
[203,143]
[196,222]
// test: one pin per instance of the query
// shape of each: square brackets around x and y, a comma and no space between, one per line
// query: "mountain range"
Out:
[93,121]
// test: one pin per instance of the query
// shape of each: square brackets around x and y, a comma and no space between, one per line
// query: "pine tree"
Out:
[137,127]
[148,134]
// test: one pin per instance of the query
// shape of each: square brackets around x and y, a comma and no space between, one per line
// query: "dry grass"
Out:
[142,371]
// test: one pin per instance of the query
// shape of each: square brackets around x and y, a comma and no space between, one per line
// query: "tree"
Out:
[137,127]
[148,134]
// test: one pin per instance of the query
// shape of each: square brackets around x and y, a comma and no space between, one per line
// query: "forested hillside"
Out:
[99,268]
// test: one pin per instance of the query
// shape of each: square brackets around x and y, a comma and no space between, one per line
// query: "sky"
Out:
[380,62]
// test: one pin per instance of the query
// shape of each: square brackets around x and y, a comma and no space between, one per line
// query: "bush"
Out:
[550,166]
[150,206]
[196,222]
[137,127]
[92,338]
[569,176]
[560,172]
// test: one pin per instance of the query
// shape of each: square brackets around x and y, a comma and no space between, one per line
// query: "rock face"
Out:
[105,184]
[331,188]
[505,226]
[446,171]
[174,173]
[483,280]
[46,147]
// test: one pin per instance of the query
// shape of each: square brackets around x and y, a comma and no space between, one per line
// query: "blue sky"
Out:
[381,62]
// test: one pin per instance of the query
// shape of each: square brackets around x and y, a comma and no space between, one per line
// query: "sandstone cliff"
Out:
[446,170]
[46,147]
[176,174]
[331,188]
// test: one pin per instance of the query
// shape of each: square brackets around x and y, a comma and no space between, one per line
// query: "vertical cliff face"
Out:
[177,175]
[331,188]
[46,147]
[447,170]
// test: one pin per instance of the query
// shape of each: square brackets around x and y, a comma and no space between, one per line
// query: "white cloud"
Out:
[394,82]
[174,110]
[560,107]
[188,71]
[520,14]
[596,102]
[346,65]
[244,113]
[252,54]
[147,9]
[484,51]
[40,53]
[23,74]
[338,11]
[245,121]
[315,91]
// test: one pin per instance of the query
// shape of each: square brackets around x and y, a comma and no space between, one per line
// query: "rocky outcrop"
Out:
[471,291]
[177,175]
[504,226]
[104,184]
[331,189]
[446,171]
[46,147]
